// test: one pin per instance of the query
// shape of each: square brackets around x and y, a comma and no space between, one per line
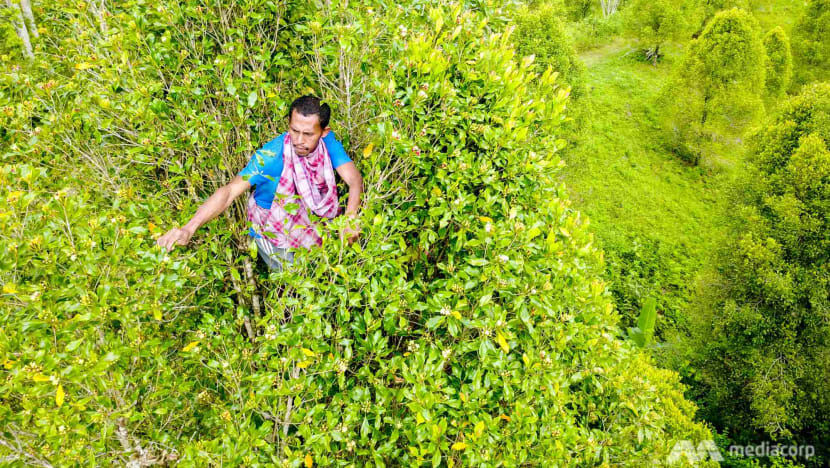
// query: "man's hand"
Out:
[174,237]
[350,233]
[211,208]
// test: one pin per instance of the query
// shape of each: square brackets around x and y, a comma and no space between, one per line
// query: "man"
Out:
[294,179]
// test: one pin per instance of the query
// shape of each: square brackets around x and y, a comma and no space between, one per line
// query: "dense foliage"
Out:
[468,327]
[779,61]
[707,9]
[579,9]
[762,338]
[719,83]
[655,22]
[811,43]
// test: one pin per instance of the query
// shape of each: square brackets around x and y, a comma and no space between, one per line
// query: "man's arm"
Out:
[211,208]
[349,173]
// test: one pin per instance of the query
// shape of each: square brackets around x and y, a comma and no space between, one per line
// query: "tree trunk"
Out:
[20,28]
[609,7]
[100,9]
[26,7]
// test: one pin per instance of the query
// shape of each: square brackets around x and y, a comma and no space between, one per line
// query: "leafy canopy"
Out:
[763,334]
[779,61]
[718,85]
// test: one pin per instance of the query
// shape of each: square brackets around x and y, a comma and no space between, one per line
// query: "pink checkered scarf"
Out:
[307,182]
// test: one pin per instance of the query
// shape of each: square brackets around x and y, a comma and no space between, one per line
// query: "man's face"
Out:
[305,132]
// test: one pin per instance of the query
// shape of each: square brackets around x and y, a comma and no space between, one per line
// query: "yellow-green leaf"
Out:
[41,378]
[308,352]
[502,342]
[459,446]
[59,396]
[479,429]
[190,346]
[368,150]
[303,364]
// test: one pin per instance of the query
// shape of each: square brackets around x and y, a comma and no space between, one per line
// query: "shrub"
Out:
[779,61]
[540,33]
[467,327]
[717,86]
[761,343]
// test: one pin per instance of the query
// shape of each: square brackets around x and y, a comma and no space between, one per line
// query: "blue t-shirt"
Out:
[265,167]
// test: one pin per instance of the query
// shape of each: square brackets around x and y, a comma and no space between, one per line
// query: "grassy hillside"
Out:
[655,216]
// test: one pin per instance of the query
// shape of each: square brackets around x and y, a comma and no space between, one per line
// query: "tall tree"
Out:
[779,61]
[718,85]
[811,43]
[762,341]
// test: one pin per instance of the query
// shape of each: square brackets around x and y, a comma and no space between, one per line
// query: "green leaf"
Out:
[647,319]
[433,322]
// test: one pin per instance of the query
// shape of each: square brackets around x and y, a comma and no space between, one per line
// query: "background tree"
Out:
[709,8]
[762,340]
[609,7]
[779,61]
[654,22]
[578,9]
[811,43]
[718,84]
[540,32]
[13,12]
[29,18]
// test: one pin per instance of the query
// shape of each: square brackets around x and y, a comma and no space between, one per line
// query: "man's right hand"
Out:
[174,237]
[211,208]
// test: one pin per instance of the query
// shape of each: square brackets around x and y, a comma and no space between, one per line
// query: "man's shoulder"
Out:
[273,148]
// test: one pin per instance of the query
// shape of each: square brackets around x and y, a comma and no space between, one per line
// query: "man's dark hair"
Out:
[310,105]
